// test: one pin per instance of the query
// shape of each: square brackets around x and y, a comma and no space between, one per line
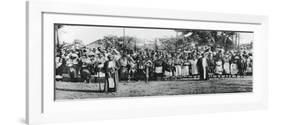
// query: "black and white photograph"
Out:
[103,61]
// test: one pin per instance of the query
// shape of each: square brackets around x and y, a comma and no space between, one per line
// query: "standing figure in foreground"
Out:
[168,69]
[178,63]
[140,73]
[110,69]
[219,68]
[159,68]
[226,65]
[202,67]
[59,68]
[185,67]
[193,64]
[148,70]
[85,69]
[234,65]
[123,71]
[72,64]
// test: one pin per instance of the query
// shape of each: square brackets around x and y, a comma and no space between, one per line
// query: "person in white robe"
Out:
[226,65]
[234,66]
[185,67]
[219,67]
[203,67]
[110,69]
[178,64]
[193,64]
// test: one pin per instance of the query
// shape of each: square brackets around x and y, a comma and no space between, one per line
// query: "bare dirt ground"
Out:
[69,90]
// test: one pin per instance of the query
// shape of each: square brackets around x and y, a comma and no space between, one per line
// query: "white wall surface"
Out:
[12,47]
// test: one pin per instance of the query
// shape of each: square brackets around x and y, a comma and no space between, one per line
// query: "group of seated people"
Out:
[87,65]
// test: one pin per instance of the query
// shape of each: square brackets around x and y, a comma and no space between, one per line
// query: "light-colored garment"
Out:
[204,64]
[71,62]
[178,70]
[249,69]
[219,68]
[100,66]
[226,67]
[168,74]
[194,69]
[233,68]
[249,66]
[111,64]
[58,62]
[159,69]
[185,71]
[101,62]
[111,83]
[101,74]
[85,61]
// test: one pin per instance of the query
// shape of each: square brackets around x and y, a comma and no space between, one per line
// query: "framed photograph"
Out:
[89,62]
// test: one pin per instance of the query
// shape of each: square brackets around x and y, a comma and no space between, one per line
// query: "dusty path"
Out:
[68,90]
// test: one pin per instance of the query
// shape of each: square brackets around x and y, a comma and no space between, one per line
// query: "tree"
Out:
[168,44]
[214,38]
[120,43]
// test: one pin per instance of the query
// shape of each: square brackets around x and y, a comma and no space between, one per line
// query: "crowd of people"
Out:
[86,64]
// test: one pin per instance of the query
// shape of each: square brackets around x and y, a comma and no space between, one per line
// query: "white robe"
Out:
[194,69]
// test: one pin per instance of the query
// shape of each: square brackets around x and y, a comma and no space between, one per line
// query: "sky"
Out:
[89,34]
[246,38]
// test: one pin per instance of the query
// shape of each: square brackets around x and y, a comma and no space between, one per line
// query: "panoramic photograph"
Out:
[93,61]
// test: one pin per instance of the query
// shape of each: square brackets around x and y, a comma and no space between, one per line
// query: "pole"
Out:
[99,81]
[123,38]
[135,45]
[238,40]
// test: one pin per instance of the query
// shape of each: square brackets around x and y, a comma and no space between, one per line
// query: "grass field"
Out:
[68,90]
